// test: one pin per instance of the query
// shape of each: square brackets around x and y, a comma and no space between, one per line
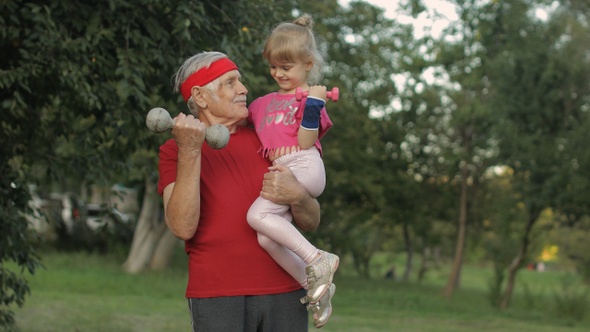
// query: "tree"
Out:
[444,117]
[504,64]
[361,46]
[14,244]
[82,75]
[499,233]
[540,93]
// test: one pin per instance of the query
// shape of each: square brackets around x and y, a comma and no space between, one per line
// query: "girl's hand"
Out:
[317,91]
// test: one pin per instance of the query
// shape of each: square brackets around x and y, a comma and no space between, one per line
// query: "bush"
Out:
[570,301]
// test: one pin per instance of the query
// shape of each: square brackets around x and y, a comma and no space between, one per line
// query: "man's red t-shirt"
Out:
[225,258]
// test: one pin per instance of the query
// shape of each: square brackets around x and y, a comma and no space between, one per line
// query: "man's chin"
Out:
[243,112]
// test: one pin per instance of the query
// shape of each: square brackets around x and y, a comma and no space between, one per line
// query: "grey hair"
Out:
[192,65]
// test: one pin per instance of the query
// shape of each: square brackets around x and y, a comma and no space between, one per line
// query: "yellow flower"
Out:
[549,253]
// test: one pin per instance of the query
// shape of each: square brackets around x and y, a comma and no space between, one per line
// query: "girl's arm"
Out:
[310,124]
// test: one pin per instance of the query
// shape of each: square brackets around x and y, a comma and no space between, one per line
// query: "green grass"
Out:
[82,292]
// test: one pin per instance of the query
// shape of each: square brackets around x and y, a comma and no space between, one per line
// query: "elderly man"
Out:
[233,284]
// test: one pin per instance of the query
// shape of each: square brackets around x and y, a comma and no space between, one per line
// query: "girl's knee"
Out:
[255,218]
[251,217]
[265,242]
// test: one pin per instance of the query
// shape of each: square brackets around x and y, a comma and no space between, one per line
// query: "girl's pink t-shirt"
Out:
[277,117]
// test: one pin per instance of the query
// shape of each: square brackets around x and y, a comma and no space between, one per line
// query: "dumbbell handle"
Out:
[159,120]
[333,94]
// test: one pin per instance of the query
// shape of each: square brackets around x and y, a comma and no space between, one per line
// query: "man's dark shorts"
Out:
[263,313]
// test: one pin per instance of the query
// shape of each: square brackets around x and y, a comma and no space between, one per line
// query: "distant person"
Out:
[233,284]
[290,133]
[390,274]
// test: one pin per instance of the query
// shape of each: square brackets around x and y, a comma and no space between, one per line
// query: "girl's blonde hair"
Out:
[295,41]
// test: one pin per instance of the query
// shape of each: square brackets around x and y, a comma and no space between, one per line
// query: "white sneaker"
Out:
[322,310]
[320,274]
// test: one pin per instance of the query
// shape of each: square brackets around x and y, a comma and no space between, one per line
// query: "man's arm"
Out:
[306,212]
[182,198]
[280,186]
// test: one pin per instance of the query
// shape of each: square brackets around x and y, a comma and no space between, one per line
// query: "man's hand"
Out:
[189,132]
[280,186]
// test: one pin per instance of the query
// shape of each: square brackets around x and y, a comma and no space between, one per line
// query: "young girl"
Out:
[289,131]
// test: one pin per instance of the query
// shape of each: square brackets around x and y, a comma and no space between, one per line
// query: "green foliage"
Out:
[573,244]
[503,88]
[500,231]
[14,248]
[76,81]
[523,99]
[361,152]
[539,85]
[570,301]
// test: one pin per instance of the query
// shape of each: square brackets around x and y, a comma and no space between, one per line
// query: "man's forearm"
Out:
[181,200]
[306,213]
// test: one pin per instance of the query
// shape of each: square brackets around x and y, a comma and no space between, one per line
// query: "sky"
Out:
[388,5]
[422,23]
[441,7]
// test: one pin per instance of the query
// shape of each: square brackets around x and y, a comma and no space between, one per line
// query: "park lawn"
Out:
[87,292]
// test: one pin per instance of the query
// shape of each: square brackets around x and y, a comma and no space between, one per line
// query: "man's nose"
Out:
[242,89]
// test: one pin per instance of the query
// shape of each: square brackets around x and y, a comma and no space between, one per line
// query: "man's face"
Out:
[231,98]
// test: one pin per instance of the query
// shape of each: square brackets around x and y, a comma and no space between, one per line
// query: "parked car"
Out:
[44,216]
[71,210]
[108,223]
[100,215]
[72,224]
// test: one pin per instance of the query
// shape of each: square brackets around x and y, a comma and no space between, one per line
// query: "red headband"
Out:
[206,75]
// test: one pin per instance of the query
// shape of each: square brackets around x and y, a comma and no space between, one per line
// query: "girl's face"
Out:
[290,75]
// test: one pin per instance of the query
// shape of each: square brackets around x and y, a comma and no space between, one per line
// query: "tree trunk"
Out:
[517,261]
[168,242]
[436,257]
[453,281]
[409,253]
[152,244]
[426,256]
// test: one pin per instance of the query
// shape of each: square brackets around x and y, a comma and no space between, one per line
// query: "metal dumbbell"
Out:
[159,120]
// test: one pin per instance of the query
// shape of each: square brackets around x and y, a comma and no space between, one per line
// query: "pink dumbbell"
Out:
[300,94]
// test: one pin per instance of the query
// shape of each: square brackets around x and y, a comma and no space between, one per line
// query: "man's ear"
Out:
[198,97]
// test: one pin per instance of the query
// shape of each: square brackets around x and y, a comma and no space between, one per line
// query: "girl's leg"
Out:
[290,262]
[308,168]
[268,219]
